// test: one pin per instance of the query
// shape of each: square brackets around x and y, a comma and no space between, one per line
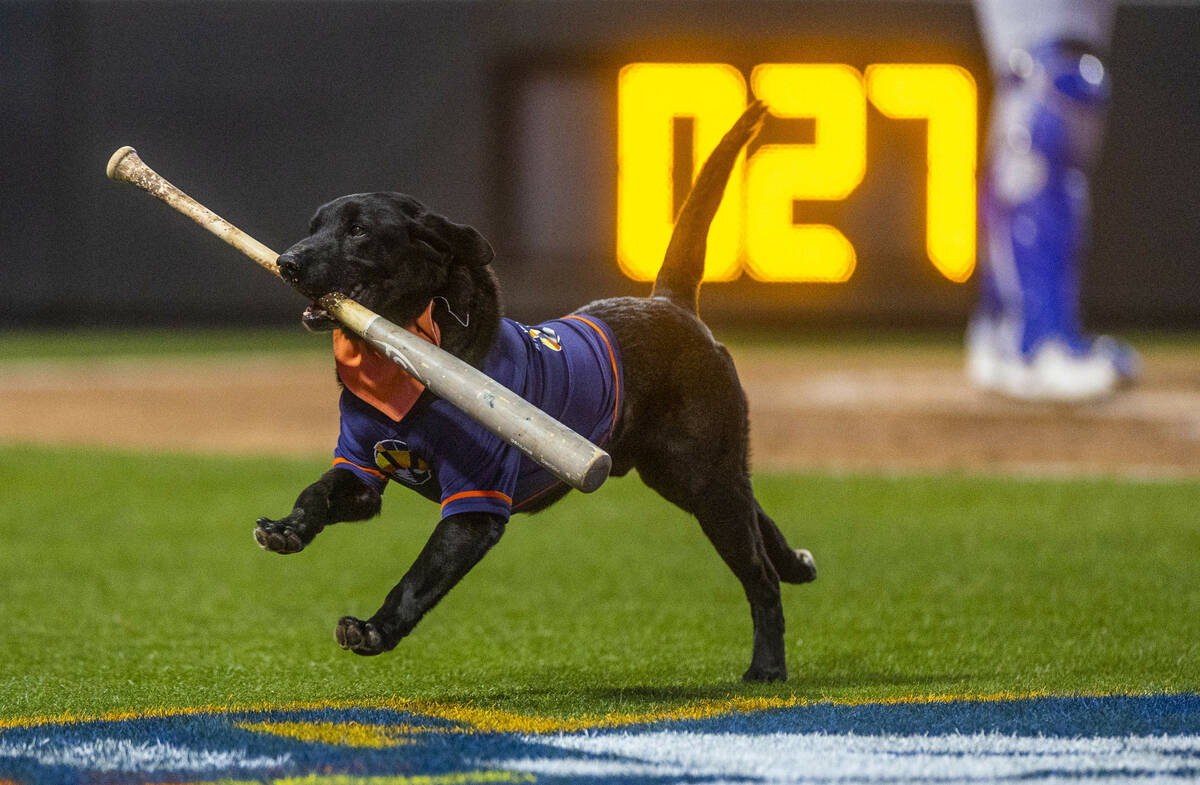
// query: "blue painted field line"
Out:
[920,739]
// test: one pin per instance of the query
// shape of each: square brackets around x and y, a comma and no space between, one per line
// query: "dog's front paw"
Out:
[281,536]
[361,637]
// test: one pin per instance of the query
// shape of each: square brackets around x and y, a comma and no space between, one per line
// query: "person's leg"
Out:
[1047,120]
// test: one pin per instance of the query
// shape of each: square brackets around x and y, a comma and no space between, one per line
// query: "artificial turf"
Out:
[132,581]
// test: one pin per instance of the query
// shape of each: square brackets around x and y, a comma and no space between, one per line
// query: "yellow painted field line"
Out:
[351,734]
[492,720]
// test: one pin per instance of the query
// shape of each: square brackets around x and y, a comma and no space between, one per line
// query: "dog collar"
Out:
[374,378]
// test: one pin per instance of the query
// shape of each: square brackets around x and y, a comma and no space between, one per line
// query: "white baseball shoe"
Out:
[1053,371]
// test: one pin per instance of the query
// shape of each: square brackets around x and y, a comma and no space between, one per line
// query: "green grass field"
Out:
[132,581]
[89,344]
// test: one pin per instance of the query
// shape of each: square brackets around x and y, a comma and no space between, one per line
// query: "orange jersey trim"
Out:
[368,470]
[476,494]
[612,358]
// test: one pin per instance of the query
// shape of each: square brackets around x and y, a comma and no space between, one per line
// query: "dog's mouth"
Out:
[316,319]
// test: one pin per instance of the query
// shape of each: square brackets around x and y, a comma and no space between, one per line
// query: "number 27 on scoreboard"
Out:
[754,229]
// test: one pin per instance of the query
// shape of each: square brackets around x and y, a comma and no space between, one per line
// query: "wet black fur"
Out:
[683,423]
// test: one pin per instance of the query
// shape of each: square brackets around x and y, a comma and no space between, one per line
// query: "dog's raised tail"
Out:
[683,265]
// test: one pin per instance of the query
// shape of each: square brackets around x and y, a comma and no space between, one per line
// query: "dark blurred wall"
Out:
[263,110]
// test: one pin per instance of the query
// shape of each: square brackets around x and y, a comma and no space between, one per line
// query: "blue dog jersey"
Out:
[570,368]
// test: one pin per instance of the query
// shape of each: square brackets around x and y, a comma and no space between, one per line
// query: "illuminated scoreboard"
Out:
[755,232]
[856,202]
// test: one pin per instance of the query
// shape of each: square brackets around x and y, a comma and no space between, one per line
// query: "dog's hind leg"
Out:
[729,521]
[727,514]
[793,565]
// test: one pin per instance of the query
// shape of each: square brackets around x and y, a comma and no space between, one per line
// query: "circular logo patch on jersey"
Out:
[394,459]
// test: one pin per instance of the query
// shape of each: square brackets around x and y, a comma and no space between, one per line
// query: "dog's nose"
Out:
[289,268]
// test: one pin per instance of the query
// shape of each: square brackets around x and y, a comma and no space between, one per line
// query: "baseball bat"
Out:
[563,452]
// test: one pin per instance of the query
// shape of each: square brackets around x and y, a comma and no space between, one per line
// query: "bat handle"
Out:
[126,167]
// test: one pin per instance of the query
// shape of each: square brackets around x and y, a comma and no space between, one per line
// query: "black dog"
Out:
[681,420]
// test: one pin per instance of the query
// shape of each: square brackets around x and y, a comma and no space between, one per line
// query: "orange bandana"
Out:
[376,379]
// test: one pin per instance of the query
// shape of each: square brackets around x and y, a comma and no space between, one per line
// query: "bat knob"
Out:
[116,159]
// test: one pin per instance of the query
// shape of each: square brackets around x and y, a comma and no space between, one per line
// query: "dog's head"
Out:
[392,255]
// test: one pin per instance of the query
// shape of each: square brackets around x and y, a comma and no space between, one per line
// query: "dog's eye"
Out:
[356,230]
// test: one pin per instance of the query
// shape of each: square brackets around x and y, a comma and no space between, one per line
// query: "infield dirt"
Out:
[812,407]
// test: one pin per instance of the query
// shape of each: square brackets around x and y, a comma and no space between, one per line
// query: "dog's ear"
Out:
[464,243]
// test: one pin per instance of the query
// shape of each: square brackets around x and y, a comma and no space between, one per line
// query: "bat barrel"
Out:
[563,452]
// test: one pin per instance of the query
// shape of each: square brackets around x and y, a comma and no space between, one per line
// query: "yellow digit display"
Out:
[650,97]
[945,96]
[830,168]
